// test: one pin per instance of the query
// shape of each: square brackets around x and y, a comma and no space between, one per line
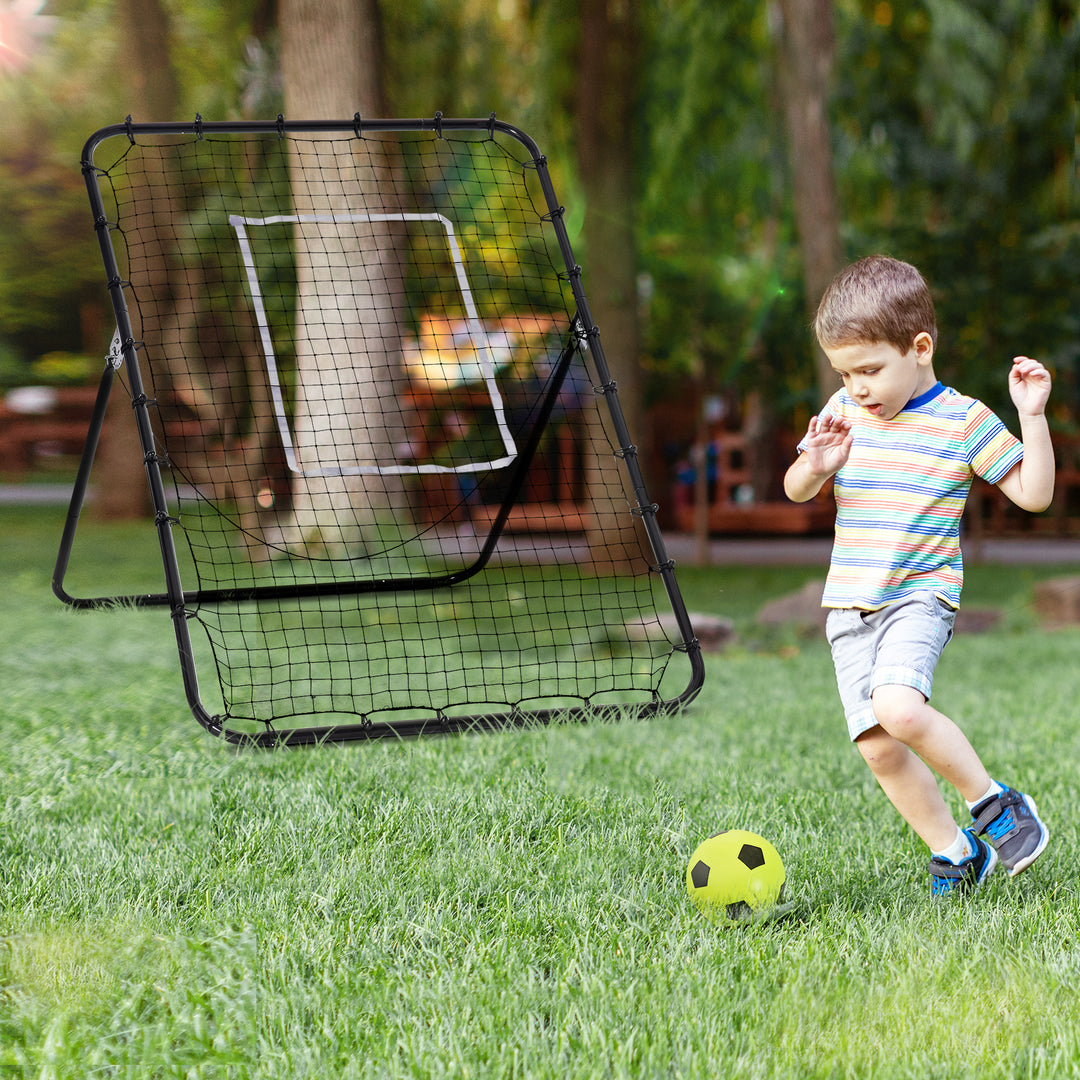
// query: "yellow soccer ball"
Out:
[734,875]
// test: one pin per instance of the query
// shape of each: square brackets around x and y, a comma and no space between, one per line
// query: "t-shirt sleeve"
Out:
[992,449]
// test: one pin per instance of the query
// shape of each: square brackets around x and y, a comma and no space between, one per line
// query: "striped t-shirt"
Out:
[900,496]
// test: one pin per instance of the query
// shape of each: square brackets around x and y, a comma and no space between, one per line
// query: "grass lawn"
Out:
[510,905]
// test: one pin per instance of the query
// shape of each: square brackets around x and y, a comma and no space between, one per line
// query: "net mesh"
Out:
[390,461]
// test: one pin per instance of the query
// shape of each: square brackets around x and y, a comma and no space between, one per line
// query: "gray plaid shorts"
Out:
[896,645]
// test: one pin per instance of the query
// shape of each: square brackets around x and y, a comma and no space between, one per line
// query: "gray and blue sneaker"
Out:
[968,874]
[1010,821]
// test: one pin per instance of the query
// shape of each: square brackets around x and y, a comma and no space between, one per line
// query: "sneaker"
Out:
[968,874]
[1011,822]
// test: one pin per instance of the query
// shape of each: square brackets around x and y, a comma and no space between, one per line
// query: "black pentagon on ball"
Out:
[751,856]
[700,875]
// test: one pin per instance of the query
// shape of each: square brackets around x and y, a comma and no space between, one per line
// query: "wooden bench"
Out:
[59,429]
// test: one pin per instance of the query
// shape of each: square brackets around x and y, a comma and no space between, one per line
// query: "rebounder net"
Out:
[390,477]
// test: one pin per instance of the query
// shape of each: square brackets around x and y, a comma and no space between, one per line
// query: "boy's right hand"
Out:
[828,444]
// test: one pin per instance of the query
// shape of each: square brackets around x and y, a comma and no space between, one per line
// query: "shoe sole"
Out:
[1027,860]
[991,866]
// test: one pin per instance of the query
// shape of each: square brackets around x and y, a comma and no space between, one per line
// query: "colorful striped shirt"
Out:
[901,494]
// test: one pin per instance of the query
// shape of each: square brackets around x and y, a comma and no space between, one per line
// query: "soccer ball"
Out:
[734,874]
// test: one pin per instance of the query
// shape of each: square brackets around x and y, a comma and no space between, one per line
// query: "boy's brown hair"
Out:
[876,299]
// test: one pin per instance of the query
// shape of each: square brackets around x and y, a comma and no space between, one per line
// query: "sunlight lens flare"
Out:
[22,26]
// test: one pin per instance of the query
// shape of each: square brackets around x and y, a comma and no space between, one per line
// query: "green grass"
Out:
[509,905]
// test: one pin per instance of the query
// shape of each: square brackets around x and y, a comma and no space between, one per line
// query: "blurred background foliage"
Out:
[953,126]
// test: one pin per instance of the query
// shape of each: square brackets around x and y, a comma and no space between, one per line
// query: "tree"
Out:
[146,61]
[331,63]
[607,124]
[190,377]
[607,112]
[805,50]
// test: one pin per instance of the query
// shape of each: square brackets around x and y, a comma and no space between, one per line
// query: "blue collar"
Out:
[923,398]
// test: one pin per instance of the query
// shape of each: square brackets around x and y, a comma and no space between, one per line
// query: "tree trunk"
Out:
[120,474]
[805,45]
[330,63]
[607,97]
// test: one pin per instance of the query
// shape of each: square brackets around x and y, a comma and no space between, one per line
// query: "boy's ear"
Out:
[924,348]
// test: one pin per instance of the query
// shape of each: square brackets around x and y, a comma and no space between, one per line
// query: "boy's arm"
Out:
[1030,483]
[828,444]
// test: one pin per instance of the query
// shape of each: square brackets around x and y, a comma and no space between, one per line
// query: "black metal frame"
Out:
[584,333]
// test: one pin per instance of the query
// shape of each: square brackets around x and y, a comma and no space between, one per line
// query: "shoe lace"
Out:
[939,885]
[1001,825]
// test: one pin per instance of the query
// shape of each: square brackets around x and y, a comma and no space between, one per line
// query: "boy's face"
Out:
[880,378]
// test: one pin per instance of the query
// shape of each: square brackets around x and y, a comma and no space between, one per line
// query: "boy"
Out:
[903,451]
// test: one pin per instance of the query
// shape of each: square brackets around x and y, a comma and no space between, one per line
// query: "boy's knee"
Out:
[900,710]
[881,751]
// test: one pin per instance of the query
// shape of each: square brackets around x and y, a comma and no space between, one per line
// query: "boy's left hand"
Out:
[1029,386]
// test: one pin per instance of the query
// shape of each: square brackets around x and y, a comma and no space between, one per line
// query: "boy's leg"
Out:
[909,785]
[900,646]
[1009,819]
[906,715]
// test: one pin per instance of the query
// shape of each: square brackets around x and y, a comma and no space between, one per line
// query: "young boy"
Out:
[903,450]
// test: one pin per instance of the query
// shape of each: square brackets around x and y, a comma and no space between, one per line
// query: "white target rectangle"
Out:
[480,341]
